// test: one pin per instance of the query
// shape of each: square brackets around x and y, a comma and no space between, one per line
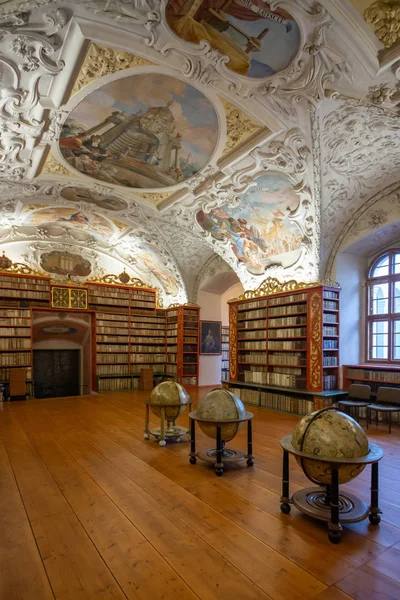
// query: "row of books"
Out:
[287,299]
[288,358]
[330,305]
[189,312]
[247,396]
[256,345]
[253,314]
[123,339]
[286,380]
[189,381]
[16,279]
[287,321]
[331,295]
[171,358]
[293,309]
[253,304]
[11,331]
[286,403]
[329,382]
[189,369]
[330,344]
[258,359]
[112,358]
[328,330]
[31,294]
[147,358]
[15,358]
[254,376]
[291,332]
[39,287]
[366,375]
[292,345]
[116,385]
[288,370]
[190,340]
[15,343]
[225,355]
[190,347]
[112,369]
[330,361]
[257,324]
[171,369]
[330,318]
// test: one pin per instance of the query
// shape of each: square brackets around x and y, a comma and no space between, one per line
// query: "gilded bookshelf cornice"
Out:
[271,286]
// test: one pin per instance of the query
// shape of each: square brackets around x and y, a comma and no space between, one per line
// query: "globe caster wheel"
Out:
[219,472]
[334,537]
[146,436]
[162,443]
[374,519]
[250,462]
[192,460]
[286,508]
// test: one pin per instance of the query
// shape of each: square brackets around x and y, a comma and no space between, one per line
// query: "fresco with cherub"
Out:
[259,229]
[257,40]
[146,131]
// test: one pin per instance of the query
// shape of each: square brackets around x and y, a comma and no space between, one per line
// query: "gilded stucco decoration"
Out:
[239,126]
[156,197]
[384,18]
[102,60]
[53,167]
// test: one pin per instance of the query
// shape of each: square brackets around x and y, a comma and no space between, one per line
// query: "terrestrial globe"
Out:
[333,435]
[219,405]
[172,396]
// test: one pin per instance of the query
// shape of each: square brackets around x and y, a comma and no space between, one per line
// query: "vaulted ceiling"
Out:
[179,139]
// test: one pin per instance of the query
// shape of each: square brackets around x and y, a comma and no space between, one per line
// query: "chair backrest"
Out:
[359,391]
[389,395]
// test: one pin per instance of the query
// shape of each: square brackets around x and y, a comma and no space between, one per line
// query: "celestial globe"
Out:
[172,396]
[330,434]
[220,405]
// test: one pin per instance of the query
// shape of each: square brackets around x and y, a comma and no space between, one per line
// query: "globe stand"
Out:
[221,454]
[171,432]
[326,503]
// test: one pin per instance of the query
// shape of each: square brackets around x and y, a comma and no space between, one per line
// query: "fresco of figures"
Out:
[259,229]
[146,131]
[70,217]
[147,262]
[259,41]
[81,194]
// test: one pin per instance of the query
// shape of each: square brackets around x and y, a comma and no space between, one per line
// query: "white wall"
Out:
[351,274]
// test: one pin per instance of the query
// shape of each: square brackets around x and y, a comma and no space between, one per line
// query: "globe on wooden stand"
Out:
[331,448]
[168,401]
[221,415]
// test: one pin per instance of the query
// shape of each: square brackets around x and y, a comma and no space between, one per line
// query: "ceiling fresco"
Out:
[259,41]
[146,131]
[246,134]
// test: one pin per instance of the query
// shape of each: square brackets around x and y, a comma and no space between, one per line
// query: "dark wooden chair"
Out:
[358,398]
[387,403]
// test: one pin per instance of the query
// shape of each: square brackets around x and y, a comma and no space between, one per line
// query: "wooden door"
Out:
[56,373]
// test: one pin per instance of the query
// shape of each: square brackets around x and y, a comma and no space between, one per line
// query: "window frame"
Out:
[391,317]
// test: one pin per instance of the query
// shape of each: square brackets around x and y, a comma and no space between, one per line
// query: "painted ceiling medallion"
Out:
[81,194]
[259,41]
[259,229]
[145,131]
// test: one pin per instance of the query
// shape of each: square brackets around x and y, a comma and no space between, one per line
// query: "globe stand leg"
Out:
[219,467]
[285,498]
[374,510]
[192,454]
[250,456]
[328,495]
[335,528]
[146,423]
[162,441]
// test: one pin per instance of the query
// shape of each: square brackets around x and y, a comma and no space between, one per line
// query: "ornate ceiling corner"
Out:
[103,60]
[384,18]
[239,126]
[51,166]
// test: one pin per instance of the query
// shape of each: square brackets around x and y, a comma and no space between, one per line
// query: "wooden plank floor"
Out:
[89,510]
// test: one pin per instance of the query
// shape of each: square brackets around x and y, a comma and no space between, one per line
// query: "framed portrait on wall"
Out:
[210,337]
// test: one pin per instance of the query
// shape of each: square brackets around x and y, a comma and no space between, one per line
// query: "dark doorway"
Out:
[56,373]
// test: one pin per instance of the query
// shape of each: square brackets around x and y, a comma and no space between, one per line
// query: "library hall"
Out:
[199,300]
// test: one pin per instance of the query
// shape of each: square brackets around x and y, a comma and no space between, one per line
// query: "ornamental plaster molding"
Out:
[360,153]
[239,126]
[384,18]
[373,214]
[28,54]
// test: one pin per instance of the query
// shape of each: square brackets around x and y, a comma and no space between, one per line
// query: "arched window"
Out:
[383,318]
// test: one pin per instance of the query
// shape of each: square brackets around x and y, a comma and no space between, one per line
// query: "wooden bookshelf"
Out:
[24,290]
[225,353]
[182,361]
[373,375]
[287,341]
